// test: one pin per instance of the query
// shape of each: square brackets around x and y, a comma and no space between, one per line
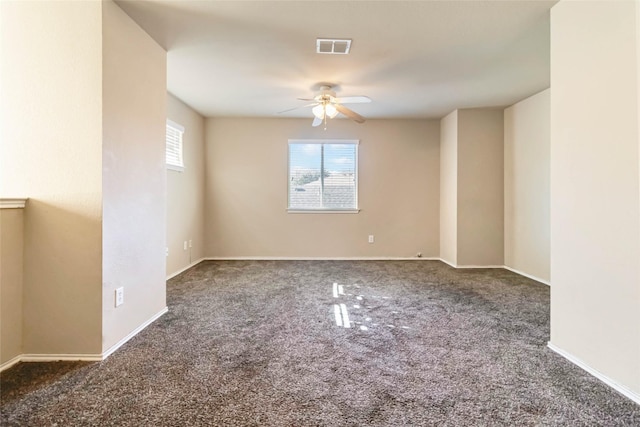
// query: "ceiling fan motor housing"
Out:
[325,92]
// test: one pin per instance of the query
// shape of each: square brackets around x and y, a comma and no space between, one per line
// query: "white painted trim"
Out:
[528,276]
[50,358]
[176,126]
[59,357]
[513,270]
[134,333]
[175,168]
[608,381]
[10,363]
[13,203]
[324,141]
[261,258]
[468,266]
[479,266]
[323,211]
[193,264]
[450,264]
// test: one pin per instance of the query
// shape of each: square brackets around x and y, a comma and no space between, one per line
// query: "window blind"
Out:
[174,146]
[323,175]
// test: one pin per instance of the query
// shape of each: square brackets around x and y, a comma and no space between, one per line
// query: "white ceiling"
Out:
[415,59]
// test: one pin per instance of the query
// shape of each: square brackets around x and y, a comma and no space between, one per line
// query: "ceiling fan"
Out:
[326,105]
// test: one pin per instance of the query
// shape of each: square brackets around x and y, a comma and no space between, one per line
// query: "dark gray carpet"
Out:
[256,343]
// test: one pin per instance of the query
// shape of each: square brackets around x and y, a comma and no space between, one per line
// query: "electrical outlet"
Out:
[190,243]
[370,238]
[185,245]
[119,296]
[167,251]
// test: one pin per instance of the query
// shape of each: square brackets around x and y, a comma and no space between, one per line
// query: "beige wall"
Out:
[595,187]
[185,191]
[11,265]
[134,177]
[471,192]
[247,191]
[449,188]
[526,186]
[51,84]
[480,187]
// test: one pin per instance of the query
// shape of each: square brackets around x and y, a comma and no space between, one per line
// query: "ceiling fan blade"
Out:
[360,99]
[316,122]
[306,99]
[295,108]
[350,113]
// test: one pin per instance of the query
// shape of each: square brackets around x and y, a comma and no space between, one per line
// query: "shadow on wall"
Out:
[62,306]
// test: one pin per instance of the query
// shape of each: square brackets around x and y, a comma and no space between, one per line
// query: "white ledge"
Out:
[175,168]
[323,211]
[12,203]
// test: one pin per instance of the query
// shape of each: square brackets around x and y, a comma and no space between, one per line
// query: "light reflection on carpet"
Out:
[365,322]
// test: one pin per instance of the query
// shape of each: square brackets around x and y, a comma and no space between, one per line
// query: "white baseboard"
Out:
[513,270]
[263,258]
[528,276]
[635,397]
[479,266]
[133,333]
[81,357]
[193,264]
[451,264]
[50,358]
[10,363]
[60,357]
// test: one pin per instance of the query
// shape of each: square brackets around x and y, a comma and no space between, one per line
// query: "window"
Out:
[323,175]
[174,146]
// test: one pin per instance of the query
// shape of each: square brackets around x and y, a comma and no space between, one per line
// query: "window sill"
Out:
[175,168]
[323,211]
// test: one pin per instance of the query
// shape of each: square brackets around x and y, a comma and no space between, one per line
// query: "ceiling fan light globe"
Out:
[331,111]
[318,111]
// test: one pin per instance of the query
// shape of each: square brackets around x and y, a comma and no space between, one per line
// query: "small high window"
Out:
[174,146]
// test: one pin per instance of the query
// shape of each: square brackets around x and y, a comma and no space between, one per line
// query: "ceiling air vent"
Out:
[333,46]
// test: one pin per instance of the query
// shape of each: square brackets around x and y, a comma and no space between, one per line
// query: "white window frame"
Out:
[355,210]
[178,164]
